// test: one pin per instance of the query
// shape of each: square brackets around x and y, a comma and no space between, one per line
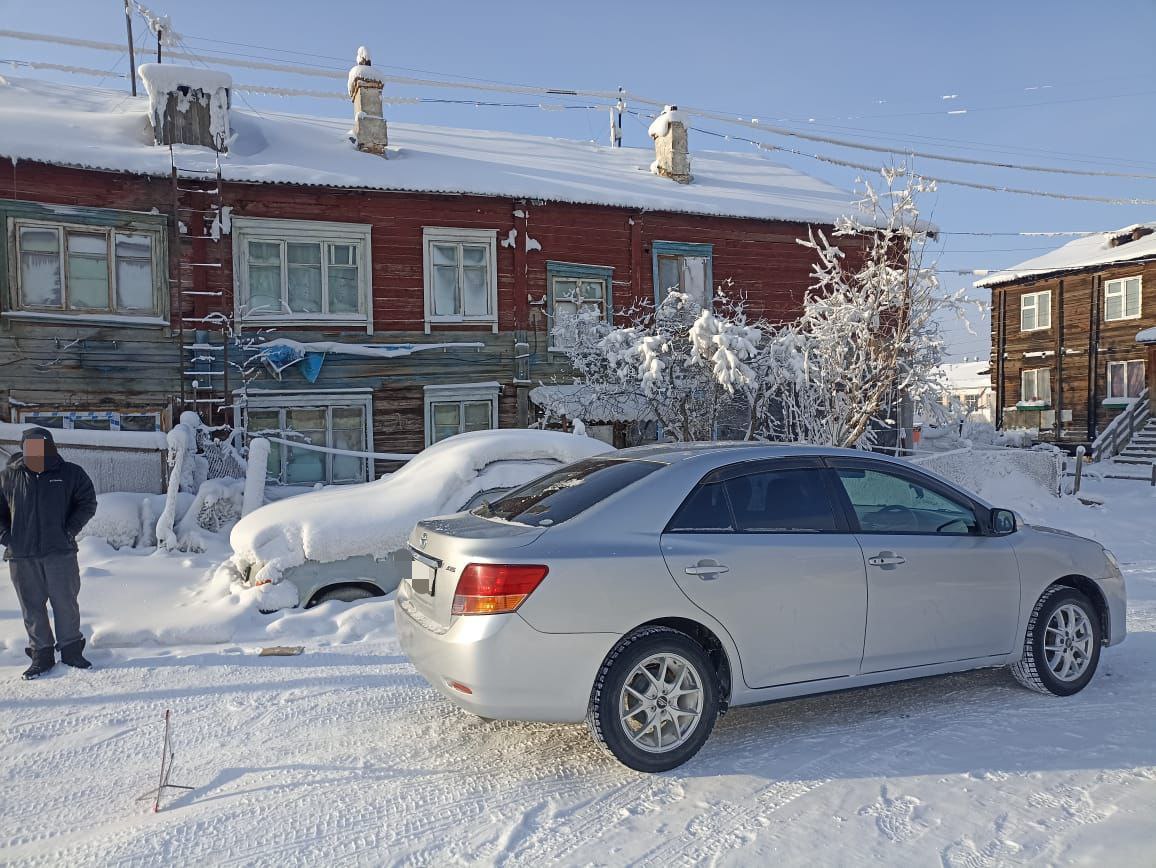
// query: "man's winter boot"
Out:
[42,661]
[72,655]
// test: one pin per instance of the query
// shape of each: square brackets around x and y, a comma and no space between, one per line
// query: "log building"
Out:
[374,289]
[1067,353]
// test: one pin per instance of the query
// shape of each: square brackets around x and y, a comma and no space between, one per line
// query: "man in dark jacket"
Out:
[44,503]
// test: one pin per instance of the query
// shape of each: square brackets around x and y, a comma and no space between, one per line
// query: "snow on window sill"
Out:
[147,321]
[1118,402]
[1033,405]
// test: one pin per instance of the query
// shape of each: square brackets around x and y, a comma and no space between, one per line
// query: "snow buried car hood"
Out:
[375,518]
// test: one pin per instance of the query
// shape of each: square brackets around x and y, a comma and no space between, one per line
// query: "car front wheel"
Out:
[655,700]
[1062,645]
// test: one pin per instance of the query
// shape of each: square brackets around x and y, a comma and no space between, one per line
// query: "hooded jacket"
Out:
[41,513]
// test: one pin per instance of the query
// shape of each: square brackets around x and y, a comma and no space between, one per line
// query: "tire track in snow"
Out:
[862,745]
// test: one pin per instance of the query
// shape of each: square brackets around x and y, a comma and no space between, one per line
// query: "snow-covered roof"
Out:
[593,403]
[1101,248]
[965,376]
[1146,336]
[108,130]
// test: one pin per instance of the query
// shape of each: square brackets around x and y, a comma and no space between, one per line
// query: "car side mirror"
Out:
[1003,522]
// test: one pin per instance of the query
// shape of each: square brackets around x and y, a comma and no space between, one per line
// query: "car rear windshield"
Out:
[565,493]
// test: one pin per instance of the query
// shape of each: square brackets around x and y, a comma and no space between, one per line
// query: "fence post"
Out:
[1079,469]
[1154,474]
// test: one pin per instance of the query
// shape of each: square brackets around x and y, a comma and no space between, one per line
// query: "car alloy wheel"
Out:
[1068,642]
[661,702]
[655,699]
[1062,643]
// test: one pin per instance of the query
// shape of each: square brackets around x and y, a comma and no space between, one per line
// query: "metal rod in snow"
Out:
[160,39]
[131,49]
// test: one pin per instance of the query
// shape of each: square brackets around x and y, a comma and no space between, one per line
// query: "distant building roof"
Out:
[1137,241]
[964,376]
[106,130]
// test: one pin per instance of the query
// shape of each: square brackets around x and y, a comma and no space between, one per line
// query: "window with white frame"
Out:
[575,291]
[458,409]
[1035,311]
[461,280]
[87,270]
[1122,298]
[683,267]
[1036,387]
[1126,380]
[302,271]
[338,422]
[101,420]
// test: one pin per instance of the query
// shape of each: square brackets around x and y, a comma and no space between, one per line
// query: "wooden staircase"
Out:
[1127,447]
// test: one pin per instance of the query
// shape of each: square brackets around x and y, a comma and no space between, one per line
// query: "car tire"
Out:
[1062,644]
[345,594]
[654,672]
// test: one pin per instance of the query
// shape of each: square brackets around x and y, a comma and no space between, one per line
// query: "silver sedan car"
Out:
[648,590]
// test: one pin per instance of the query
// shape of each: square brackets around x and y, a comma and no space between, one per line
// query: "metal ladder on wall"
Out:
[203,294]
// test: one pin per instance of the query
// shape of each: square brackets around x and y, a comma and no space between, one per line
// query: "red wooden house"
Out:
[402,284]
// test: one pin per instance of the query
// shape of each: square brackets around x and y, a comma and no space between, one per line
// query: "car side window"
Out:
[891,503]
[782,501]
[705,511]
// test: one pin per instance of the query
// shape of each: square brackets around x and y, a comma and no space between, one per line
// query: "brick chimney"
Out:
[369,130]
[187,105]
[671,154]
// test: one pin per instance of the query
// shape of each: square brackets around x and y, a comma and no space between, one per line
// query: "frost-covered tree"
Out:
[869,333]
[867,337]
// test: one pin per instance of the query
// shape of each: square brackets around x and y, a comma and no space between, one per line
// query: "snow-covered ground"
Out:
[343,755]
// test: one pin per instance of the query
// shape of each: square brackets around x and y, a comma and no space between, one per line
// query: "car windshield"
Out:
[563,494]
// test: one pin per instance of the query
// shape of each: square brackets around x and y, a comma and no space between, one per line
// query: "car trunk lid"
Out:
[442,547]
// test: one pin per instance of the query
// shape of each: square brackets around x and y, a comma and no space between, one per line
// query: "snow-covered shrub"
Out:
[127,519]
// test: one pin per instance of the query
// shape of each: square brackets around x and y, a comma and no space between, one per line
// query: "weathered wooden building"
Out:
[374,291]
[1065,353]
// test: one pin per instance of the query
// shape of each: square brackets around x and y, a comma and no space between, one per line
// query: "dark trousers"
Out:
[51,579]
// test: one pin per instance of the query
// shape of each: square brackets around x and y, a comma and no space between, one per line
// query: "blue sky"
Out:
[1059,83]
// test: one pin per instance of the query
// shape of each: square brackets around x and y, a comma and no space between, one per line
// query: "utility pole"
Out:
[616,125]
[131,50]
[160,39]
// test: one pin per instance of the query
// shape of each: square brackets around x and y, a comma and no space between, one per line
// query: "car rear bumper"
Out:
[513,671]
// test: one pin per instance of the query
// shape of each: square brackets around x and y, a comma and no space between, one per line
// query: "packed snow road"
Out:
[344,756]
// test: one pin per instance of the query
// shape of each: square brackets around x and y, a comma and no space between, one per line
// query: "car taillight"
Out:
[491,589]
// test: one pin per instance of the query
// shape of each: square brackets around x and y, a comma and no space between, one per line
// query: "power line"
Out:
[925,155]
[864,167]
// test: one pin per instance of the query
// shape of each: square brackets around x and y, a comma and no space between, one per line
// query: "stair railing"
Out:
[1116,437]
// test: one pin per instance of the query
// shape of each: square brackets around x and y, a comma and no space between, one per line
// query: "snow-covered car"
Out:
[348,542]
[649,590]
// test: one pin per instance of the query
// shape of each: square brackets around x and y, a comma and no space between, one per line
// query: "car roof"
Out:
[706,456]
[673,453]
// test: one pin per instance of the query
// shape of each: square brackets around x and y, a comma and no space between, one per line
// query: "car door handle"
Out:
[706,569]
[886,559]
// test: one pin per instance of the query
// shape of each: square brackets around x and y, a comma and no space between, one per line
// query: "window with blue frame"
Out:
[683,267]
[575,293]
[82,262]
